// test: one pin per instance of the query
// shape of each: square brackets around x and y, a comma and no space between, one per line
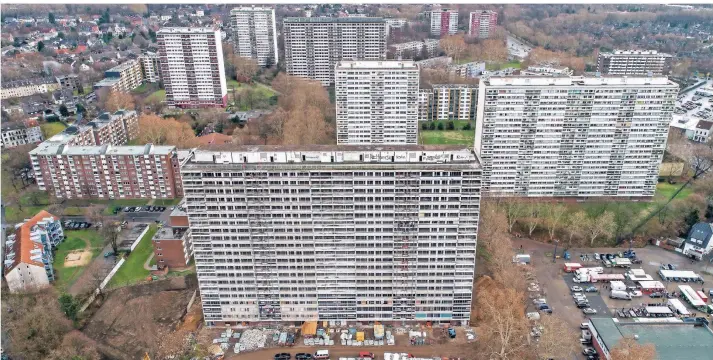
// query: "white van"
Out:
[618,294]
[321,354]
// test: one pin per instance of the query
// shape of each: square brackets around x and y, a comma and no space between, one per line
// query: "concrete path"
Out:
[148,261]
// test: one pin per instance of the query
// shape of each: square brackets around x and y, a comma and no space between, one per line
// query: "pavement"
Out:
[516,48]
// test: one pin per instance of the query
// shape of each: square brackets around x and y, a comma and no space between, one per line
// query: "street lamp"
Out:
[554,255]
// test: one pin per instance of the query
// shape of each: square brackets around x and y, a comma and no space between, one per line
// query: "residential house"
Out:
[28,252]
[699,240]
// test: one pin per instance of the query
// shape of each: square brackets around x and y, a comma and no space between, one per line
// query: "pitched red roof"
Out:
[24,245]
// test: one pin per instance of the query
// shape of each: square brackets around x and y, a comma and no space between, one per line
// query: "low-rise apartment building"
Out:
[411,49]
[172,243]
[633,62]
[106,171]
[71,82]
[18,133]
[28,253]
[546,70]
[343,233]
[21,88]
[573,136]
[376,102]
[123,77]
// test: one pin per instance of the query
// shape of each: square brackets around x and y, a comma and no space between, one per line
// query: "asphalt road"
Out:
[141,216]
[595,299]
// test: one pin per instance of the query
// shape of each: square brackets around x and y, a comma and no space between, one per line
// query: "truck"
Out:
[618,285]
[572,267]
[379,332]
[621,262]
[619,294]
[581,278]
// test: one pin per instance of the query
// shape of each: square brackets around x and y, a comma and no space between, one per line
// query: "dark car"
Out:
[655,295]
[283,356]
[582,305]
[161,208]
[303,356]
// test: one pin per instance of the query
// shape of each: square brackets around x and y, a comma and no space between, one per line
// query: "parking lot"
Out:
[138,209]
[694,106]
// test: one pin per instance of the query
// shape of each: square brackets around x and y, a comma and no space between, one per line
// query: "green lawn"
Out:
[158,94]
[498,66]
[133,269]
[447,137]
[52,129]
[263,94]
[166,202]
[141,89]
[664,191]
[75,241]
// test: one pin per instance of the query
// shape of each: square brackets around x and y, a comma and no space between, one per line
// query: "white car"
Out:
[636,293]
[589,311]
[576,288]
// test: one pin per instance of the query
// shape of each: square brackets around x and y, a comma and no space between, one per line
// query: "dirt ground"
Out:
[77,258]
[145,318]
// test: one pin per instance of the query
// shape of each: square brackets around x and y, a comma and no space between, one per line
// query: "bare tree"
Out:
[577,225]
[514,210]
[505,330]
[534,216]
[630,349]
[555,216]
[110,232]
[75,345]
[557,341]
[603,225]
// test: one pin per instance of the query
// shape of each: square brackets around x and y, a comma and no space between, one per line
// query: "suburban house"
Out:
[699,241]
[28,252]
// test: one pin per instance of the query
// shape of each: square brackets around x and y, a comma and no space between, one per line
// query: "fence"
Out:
[138,239]
[102,285]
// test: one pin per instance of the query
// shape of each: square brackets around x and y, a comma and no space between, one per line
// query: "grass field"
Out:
[498,66]
[665,190]
[159,95]
[76,240]
[166,202]
[447,137]
[51,129]
[262,91]
[133,269]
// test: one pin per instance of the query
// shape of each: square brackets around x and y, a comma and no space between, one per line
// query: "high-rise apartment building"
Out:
[448,102]
[444,22]
[344,233]
[482,23]
[107,172]
[313,46]
[107,129]
[632,62]
[573,136]
[377,102]
[255,34]
[150,67]
[192,67]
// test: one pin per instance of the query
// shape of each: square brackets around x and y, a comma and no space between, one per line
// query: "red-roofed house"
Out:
[79,49]
[28,252]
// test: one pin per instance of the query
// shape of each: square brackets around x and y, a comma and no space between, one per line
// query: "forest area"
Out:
[582,31]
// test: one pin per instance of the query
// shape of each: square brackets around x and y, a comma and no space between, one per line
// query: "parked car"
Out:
[635,293]
[584,326]
[303,356]
[589,311]
[282,356]
[591,289]
[589,351]
[582,305]
[655,295]
[576,288]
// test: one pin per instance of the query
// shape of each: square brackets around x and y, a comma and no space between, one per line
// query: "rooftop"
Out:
[20,83]
[169,233]
[123,66]
[334,20]
[377,64]
[23,245]
[331,154]
[704,125]
[580,81]
[251,8]
[454,86]
[13,125]
[672,340]
[107,82]
[185,30]
[56,148]
[636,52]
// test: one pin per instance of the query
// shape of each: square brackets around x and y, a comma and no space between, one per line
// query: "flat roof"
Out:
[673,340]
[123,66]
[337,154]
[169,233]
[333,20]
[608,80]
[377,64]
[679,274]
[185,30]
[56,148]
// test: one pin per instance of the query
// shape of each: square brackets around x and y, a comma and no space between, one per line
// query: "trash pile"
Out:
[418,338]
[252,339]
[321,338]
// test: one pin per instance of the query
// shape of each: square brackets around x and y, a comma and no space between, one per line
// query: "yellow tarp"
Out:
[360,336]
[309,328]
